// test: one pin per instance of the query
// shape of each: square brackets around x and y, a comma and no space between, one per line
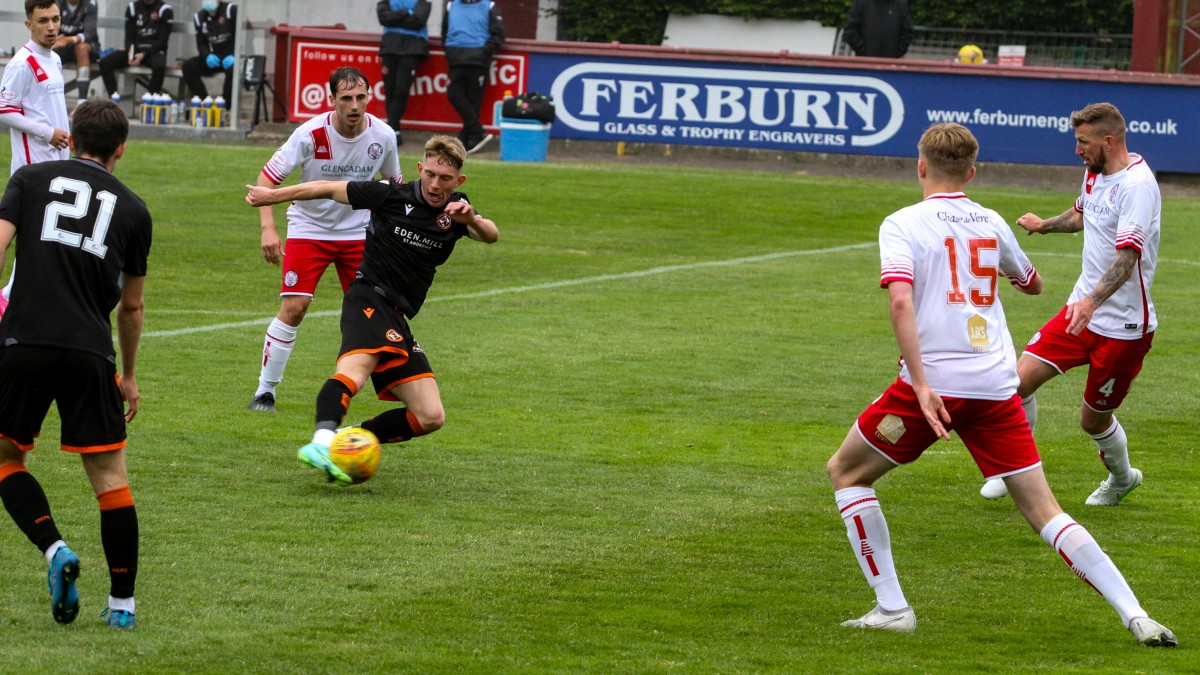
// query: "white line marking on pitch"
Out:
[538,287]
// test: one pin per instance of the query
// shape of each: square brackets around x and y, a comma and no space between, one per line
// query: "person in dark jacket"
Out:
[405,44]
[878,28]
[78,41]
[472,33]
[216,28]
[147,30]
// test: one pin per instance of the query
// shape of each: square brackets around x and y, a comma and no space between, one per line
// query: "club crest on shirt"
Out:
[444,222]
[890,429]
[290,278]
[374,151]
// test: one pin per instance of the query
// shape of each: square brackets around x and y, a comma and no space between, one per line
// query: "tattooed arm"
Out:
[1068,221]
[1080,313]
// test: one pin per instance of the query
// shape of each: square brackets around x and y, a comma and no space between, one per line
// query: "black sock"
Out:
[119,534]
[393,426]
[27,504]
[332,402]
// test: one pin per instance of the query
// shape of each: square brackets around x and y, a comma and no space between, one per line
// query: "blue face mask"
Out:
[209,6]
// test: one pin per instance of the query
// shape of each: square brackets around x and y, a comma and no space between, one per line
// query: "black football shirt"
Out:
[78,229]
[406,239]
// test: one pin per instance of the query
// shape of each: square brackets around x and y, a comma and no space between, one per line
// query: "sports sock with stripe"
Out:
[1085,558]
[868,533]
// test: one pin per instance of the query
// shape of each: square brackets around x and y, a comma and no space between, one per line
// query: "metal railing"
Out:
[1059,50]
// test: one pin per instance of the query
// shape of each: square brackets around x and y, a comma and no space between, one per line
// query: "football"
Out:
[970,54]
[355,451]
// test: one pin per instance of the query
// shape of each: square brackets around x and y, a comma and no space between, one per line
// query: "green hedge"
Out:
[645,22]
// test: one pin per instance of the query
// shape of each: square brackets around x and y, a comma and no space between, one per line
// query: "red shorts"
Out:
[305,260]
[1112,363]
[996,433]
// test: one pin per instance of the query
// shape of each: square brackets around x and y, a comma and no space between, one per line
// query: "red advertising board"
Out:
[313,59]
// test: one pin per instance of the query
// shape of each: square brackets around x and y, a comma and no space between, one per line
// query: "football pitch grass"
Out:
[643,381]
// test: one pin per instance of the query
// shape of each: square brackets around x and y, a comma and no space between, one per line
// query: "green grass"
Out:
[631,478]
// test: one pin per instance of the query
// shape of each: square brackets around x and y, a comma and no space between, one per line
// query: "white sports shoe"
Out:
[901,621]
[1111,495]
[1150,633]
[994,488]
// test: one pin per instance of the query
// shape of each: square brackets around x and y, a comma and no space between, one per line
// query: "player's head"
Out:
[948,151]
[1099,131]
[98,130]
[349,93]
[441,171]
[43,19]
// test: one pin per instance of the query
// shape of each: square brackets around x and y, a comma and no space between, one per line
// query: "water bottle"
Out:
[207,111]
[194,111]
[222,111]
[147,112]
[160,108]
[116,98]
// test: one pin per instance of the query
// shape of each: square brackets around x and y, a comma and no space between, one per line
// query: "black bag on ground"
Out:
[528,106]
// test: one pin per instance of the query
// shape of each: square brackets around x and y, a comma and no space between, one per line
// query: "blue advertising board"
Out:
[865,111]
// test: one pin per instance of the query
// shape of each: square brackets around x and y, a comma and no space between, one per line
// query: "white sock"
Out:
[277,347]
[1029,403]
[1114,452]
[54,549]
[1085,558]
[868,533]
[323,436]
[120,603]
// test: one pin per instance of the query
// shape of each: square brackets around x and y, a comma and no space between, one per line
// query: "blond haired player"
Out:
[346,144]
[941,261]
[1109,321]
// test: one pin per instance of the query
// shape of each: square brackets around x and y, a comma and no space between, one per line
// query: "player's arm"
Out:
[1067,221]
[272,244]
[7,232]
[317,189]
[904,325]
[478,227]
[130,311]
[1079,313]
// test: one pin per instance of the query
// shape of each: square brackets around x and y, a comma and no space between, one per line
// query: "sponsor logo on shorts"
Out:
[290,278]
[444,222]
[890,429]
[1036,336]
[393,335]
[417,348]
[375,151]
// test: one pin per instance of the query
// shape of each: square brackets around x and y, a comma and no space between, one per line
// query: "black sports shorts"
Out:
[372,325]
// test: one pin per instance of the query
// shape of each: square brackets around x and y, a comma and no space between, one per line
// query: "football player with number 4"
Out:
[1109,321]
[941,260]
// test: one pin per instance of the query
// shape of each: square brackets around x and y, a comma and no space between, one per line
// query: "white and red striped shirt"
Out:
[33,105]
[954,253]
[324,154]
[1120,210]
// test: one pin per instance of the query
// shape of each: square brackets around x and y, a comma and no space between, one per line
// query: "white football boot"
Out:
[1150,633]
[1109,494]
[900,621]
[994,488]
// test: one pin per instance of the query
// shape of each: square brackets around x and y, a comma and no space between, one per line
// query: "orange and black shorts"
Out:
[372,325]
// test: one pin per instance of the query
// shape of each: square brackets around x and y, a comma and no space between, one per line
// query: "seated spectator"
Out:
[147,30]
[216,26]
[78,41]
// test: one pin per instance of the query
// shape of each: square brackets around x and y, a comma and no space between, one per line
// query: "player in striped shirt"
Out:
[32,101]
[346,144]
[941,261]
[1109,320]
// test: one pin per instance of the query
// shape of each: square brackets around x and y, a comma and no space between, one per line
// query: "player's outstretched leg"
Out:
[316,455]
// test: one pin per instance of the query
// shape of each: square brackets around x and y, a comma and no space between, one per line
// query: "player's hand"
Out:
[63,41]
[60,139]
[257,195]
[1031,223]
[212,61]
[460,212]
[934,410]
[136,59]
[272,246]
[130,390]
[227,62]
[1079,315]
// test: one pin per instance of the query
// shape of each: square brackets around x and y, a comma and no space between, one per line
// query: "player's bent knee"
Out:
[431,422]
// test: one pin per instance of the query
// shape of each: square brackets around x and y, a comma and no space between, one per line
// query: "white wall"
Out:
[729,32]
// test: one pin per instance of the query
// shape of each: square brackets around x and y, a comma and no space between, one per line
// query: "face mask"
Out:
[209,6]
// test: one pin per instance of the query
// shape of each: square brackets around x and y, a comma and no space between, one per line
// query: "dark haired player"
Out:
[84,240]
[413,229]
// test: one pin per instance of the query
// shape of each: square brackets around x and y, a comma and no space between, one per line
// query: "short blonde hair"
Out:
[447,150]
[1104,117]
[949,149]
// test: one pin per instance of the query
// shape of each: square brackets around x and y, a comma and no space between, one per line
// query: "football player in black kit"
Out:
[413,229]
[84,239]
